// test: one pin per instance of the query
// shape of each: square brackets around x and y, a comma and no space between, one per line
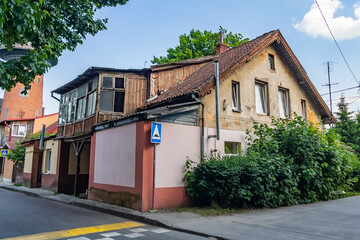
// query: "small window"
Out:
[303,109]
[271,62]
[48,162]
[19,130]
[6,113]
[119,82]
[107,82]
[39,80]
[261,98]
[119,102]
[232,147]
[235,96]
[284,103]
[36,113]
[22,93]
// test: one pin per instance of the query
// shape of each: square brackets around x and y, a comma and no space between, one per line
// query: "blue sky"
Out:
[143,28]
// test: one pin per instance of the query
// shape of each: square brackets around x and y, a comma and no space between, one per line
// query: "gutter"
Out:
[10,130]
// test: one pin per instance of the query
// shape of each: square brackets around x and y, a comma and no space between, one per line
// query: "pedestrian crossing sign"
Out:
[155,132]
[4,152]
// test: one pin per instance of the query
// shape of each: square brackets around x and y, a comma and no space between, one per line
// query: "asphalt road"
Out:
[23,216]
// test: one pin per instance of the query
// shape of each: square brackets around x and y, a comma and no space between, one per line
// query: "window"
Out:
[112,94]
[235,86]
[271,62]
[36,113]
[38,80]
[19,130]
[261,98]
[6,113]
[232,147]
[78,103]
[48,162]
[22,94]
[284,103]
[303,109]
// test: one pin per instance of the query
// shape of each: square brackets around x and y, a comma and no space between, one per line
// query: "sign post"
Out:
[155,138]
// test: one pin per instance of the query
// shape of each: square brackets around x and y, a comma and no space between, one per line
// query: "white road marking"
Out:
[110,234]
[138,230]
[79,238]
[134,235]
[160,230]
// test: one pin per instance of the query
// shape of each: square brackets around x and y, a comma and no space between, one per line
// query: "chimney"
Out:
[221,46]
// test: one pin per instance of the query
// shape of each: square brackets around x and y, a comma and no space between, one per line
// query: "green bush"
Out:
[291,162]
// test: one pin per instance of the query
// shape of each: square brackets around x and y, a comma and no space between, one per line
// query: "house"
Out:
[97,95]
[258,80]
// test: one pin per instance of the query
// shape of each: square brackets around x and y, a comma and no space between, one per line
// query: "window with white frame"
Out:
[235,90]
[261,98]
[112,94]
[22,93]
[232,147]
[284,108]
[19,130]
[303,109]
[48,162]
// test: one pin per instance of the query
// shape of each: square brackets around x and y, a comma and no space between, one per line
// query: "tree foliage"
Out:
[199,44]
[50,27]
[17,155]
[287,163]
[347,127]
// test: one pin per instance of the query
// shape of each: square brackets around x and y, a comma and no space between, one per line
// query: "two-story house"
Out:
[97,95]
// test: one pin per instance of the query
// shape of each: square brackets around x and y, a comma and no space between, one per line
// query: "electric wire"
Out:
[342,90]
[342,54]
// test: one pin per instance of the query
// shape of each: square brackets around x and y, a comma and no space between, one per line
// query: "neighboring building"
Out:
[259,80]
[96,96]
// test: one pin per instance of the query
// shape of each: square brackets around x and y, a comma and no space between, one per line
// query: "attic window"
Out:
[271,62]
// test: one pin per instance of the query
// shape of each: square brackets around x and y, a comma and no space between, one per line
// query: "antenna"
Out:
[329,84]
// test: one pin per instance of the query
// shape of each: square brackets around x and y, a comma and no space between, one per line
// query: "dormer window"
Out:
[271,62]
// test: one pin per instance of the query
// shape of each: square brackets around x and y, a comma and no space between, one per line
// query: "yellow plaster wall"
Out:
[48,120]
[29,151]
[256,69]
[52,145]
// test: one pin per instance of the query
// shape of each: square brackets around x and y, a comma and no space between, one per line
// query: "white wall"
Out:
[178,142]
[115,156]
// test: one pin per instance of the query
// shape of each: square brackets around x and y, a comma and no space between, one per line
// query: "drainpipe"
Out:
[202,128]
[52,95]
[217,99]
[10,130]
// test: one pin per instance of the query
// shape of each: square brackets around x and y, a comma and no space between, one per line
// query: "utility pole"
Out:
[329,85]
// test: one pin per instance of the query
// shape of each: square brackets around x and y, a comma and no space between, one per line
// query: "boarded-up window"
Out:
[235,95]
[261,98]
[284,103]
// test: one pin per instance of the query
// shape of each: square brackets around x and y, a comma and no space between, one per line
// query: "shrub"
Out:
[291,162]
[17,155]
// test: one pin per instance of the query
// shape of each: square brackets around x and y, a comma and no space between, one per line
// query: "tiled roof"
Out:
[202,81]
[199,81]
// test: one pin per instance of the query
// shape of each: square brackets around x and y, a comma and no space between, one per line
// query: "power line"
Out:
[342,90]
[343,56]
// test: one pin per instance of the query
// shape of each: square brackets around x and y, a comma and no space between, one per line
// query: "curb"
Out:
[122,214]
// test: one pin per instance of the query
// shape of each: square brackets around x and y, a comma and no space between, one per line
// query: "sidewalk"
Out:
[338,219]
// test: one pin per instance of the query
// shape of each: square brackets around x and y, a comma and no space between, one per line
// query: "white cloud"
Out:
[342,27]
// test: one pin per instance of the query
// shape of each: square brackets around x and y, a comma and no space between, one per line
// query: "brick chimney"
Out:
[221,46]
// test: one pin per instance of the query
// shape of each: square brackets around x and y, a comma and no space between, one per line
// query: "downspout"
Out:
[217,99]
[202,128]
[52,95]
[10,130]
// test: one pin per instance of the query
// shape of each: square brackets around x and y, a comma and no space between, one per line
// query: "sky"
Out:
[142,29]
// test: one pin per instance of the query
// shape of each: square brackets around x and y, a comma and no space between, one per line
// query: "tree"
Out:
[199,44]
[17,155]
[346,127]
[49,27]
